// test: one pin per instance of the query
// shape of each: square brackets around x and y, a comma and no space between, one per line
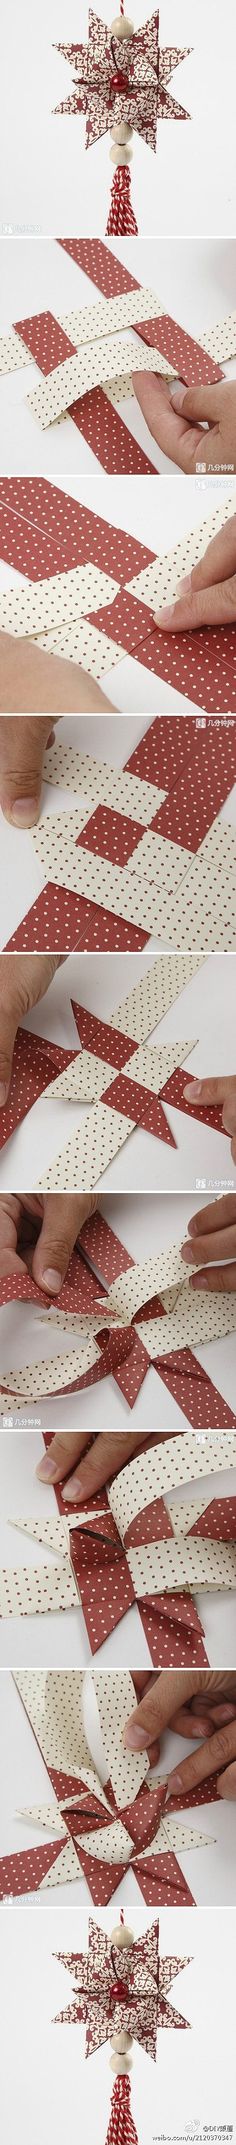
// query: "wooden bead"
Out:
[121,132]
[120,2064]
[122,1937]
[122,27]
[121,2042]
[119,155]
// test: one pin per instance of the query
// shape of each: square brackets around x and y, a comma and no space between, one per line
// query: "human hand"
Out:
[201,1704]
[217,1091]
[212,1235]
[104,1456]
[207,596]
[23,744]
[24,978]
[40,1234]
[176,417]
[31,679]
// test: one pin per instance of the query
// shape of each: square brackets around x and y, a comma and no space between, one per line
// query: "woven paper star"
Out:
[100,1833]
[115,1990]
[115,82]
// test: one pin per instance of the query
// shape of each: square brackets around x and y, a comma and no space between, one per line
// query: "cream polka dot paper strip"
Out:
[26,1592]
[54,1709]
[101,783]
[174,1564]
[154,1473]
[88,369]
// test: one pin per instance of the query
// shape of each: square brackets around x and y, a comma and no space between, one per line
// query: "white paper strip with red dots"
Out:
[104,1130]
[89,368]
[102,784]
[147,1278]
[36,606]
[173,1565]
[219,342]
[198,1316]
[54,1707]
[154,1473]
[159,582]
[115,1699]
[35,1592]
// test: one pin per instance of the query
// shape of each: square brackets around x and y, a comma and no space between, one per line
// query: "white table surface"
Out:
[205,1011]
[159,513]
[210,1872]
[147,1225]
[61,1640]
[197,288]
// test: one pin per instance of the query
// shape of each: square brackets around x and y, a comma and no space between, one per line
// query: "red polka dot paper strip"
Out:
[27,1871]
[197,769]
[191,362]
[43,531]
[100,264]
[35,1063]
[68,923]
[122,1352]
[109,438]
[45,339]
[140,1822]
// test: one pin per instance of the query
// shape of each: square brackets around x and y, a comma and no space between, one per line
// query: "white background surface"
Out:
[21,877]
[204,1012]
[146,1225]
[209,1871]
[61,1640]
[196,284]
[48,2084]
[158,514]
[49,182]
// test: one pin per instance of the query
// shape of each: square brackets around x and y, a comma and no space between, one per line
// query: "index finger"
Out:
[219,1215]
[219,560]
[179,440]
[212,1757]
[161,1701]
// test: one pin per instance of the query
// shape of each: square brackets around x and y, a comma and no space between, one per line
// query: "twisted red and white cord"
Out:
[121,2128]
[121,217]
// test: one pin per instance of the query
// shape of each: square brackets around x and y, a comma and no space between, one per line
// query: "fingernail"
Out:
[198,1282]
[175,1785]
[47,1470]
[177,393]
[24,811]
[185,584]
[193,1093]
[135,1737]
[3,1094]
[165,616]
[51,1279]
[186,1253]
[74,1488]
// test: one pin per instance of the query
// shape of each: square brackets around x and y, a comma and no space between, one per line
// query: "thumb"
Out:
[63,1220]
[161,1702]
[197,404]
[194,608]
[209,1091]
[22,984]
[23,741]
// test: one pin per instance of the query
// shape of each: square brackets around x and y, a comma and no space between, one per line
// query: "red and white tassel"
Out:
[121,217]
[121,2128]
